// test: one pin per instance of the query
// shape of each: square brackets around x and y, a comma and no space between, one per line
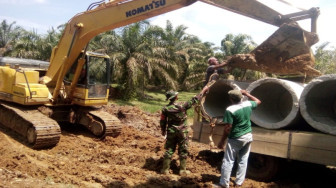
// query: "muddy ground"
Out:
[131,160]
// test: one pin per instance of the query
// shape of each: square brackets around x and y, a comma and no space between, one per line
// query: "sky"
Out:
[209,23]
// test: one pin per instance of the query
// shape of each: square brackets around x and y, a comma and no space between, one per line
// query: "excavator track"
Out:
[37,129]
[112,123]
[102,123]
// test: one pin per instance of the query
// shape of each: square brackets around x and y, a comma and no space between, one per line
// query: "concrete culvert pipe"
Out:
[318,103]
[217,99]
[279,106]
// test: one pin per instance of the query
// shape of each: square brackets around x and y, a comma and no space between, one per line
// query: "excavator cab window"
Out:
[94,76]
[82,80]
[98,75]
[98,70]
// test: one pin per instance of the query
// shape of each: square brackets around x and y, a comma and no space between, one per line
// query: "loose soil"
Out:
[133,159]
[285,52]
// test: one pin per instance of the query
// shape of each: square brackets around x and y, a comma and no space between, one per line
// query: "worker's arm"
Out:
[204,90]
[226,132]
[220,65]
[253,98]
[163,123]
[195,99]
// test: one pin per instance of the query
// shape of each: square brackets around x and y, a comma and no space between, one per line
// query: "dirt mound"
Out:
[133,159]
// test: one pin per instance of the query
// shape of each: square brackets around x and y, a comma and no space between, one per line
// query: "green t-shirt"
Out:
[239,115]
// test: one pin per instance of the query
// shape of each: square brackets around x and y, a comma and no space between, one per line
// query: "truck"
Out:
[294,141]
[76,81]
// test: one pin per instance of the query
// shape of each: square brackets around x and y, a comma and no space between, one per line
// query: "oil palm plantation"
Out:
[325,59]
[189,54]
[8,36]
[47,43]
[26,46]
[197,53]
[139,57]
[239,44]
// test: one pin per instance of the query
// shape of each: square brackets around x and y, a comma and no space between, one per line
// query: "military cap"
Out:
[171,94]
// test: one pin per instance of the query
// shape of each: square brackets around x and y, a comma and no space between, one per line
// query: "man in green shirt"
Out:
[238,123]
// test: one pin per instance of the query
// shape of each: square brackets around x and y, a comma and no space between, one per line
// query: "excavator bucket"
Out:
[286,52]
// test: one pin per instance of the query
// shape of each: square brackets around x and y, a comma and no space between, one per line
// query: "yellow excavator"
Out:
[77,81]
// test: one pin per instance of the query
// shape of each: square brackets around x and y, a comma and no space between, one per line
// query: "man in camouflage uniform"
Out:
[173,122]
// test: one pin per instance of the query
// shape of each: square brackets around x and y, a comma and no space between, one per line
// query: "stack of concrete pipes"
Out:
[284,102]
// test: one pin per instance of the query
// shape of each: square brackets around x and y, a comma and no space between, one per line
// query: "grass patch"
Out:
[156,100]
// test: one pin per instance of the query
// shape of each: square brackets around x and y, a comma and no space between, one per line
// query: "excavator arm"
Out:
[258,11]
[117,13]
[107,16]
[287,51]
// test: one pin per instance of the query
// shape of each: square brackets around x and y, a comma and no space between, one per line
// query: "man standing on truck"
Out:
[173,123]
[237,119]
[215,67]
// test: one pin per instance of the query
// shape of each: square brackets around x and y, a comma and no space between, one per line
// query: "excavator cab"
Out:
[92,86]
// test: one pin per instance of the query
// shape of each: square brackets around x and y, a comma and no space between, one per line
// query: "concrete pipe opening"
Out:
[279,106]
[217,99]
[318,103]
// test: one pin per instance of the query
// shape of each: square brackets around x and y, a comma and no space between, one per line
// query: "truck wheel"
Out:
[262,167]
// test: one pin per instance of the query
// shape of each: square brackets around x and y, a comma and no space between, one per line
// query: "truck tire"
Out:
[262,167]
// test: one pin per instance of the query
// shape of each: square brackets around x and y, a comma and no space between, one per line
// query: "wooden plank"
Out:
[318,141]
[311,147]
[269,148]
[196,136]
[324,157]
[196,127]
[205,139]
[273,136]
[218,129]
[206,130]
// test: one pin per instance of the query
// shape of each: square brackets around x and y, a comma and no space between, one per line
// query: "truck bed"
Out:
[304,146]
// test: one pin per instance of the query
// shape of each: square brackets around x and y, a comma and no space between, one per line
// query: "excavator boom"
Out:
[107,16]
[113,14]
[249,8]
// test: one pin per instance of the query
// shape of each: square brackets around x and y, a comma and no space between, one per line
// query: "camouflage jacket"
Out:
[175,115]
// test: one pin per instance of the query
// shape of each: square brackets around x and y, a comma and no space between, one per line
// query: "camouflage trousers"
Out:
[177,139]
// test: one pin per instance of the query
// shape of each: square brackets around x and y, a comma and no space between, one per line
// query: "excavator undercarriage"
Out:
[39,125]
[97,121]
[38,130]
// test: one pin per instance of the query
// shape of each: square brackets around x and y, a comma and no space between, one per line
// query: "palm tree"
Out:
[325,60]
[239,44]
[26,46]
[49,41]
[138,56]
[188,53]
[144,54]
[197,53]
[8,35]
